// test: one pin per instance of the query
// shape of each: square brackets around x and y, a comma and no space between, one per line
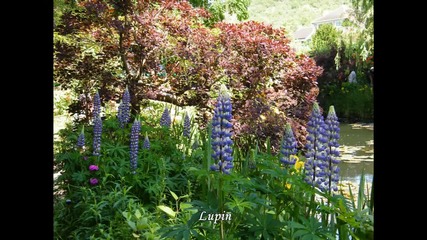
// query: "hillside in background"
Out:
[290,14]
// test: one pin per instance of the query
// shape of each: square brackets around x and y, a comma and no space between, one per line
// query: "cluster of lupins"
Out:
[321,168]
[123,117]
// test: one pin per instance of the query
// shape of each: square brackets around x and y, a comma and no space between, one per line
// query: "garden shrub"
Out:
[353,101]
[161,50]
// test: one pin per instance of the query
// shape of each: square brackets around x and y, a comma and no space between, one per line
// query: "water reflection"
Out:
[357,151]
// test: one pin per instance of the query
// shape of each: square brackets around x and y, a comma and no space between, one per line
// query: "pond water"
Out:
[357,151]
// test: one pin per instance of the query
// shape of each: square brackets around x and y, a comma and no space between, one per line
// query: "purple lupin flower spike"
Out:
[221,134]
[81,139]
[316,154]
[146,144]
[288,146]
[97,132]
[134,140]
[124,109]
[332,154]
[187,126]
[96,106]
[165,120]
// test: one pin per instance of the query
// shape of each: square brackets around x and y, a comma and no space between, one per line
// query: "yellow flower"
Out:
[298,163]
[288,186]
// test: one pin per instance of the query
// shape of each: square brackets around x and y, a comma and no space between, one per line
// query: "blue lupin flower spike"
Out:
[134,141]
[221,134]
[81,138]
[332,154]
[165,120]
[315,147]
[97,132]
[187,126]
[96,106]
[124,109]
[288,146]
[146,144]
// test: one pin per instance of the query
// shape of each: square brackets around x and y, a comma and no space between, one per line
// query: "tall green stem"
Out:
[221,205]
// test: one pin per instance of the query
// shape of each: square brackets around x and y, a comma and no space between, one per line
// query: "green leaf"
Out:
[174,195]
[132,225]
[137,214]
[361,195]
[126,215]
[184,206]
[192,169]
[167,210]
[300,233]
[310,237]
[185,196]
[186,234]
[296,225]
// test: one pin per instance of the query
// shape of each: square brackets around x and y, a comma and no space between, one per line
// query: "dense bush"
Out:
[162,50]
[159,190]
[353,101]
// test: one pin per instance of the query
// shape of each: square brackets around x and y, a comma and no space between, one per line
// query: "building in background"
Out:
[302,36]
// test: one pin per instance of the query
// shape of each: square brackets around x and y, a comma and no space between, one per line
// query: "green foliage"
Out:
[62,100]
[141,222]
[325,39]
[364,17]
[173,186]
[310,228]
[61,6]
[352,101]
[218,9]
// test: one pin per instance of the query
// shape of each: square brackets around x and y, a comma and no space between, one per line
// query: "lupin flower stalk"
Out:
[288,147]
[134,140]
[187,126]
[146,144]
[221,134]
[96,106]
[316,154]
[165,120]
[124,109]
[81,139]
[332,154]
[97,132]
